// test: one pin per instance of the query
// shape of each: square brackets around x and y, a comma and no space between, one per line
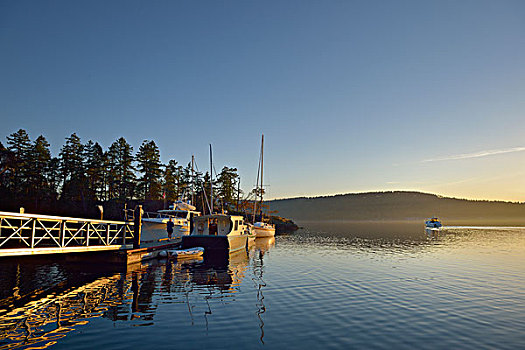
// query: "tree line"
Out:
[86,174]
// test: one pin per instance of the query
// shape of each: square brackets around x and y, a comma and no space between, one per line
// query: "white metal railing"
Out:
[43,231]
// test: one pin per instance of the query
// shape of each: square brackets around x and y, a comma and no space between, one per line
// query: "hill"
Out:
[399,206]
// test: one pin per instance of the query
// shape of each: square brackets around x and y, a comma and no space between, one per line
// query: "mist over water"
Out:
[330,285]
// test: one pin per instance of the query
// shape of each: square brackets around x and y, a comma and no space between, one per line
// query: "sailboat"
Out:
[261,228]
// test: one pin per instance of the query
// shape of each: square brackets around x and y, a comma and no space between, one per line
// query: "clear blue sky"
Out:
[351,95]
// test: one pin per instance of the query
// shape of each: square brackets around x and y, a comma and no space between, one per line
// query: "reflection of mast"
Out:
[258,273]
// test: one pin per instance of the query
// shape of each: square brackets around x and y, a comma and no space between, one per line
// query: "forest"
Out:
[84,175]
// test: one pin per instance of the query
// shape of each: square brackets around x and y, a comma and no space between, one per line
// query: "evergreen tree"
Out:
[6,169]
[120,170]
[95,169]
[20,146]
[149,166]
[171,181]
[40,157]
[53,177]
[226,183]
[74,181]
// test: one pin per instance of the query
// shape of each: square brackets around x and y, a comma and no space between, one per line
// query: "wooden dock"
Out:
[31,234]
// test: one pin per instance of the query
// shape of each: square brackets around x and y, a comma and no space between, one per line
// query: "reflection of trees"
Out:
[41,317]
[43,322]
[53,311]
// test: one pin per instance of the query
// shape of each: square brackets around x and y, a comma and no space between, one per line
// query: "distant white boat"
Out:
[433,225]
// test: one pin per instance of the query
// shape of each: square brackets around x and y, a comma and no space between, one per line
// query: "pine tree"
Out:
[7,161]
[120,170]
[74,181]
[94,163]
[149,166]
[40,158]
[226,183]
[171,181]
[20,146]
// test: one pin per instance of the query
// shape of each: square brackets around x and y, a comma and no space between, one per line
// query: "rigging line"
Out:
[202,187]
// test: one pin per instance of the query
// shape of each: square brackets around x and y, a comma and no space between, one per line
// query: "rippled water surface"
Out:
[327,286]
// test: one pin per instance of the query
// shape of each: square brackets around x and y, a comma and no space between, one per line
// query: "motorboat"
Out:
[218,233]
[181,213]
[433,225]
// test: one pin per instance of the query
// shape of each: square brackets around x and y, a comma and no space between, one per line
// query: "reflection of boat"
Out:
[154,224]
[433,225]
[264,243]
[218,233]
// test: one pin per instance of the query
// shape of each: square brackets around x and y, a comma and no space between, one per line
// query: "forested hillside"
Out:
[399,206]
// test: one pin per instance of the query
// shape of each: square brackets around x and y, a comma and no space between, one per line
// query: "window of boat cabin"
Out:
[236,225]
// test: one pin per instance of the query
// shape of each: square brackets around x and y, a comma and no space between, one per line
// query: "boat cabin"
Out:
[218,225]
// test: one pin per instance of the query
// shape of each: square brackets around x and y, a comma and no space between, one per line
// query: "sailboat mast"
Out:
[192,180]
[262,167]
[255,199]
[211,182]
[238,194]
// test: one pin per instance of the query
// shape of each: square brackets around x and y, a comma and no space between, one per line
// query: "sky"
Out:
[352,96]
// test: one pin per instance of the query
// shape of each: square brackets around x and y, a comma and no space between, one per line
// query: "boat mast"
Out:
[256,189]
[262,167]
[211,182]
[238,193]
[192,180]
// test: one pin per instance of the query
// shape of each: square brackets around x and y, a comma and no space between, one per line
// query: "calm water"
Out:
[328,286]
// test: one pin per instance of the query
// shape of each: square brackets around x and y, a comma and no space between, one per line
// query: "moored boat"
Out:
[218,233]
[180,213]
[263,229]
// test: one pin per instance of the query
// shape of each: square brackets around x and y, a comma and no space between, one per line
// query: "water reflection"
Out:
[43,300]
[262,246]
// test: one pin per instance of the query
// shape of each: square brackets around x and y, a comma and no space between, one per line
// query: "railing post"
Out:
[62,233]
[107,234]
[137,228]
[87,234]
[33,234]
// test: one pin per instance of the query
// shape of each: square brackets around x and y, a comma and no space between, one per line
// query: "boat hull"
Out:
[432,230]
[264,232]
[215,244]
[155,230]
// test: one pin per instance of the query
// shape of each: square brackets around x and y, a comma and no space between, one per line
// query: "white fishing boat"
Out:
[261,228]
[218,233]
[181,214]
